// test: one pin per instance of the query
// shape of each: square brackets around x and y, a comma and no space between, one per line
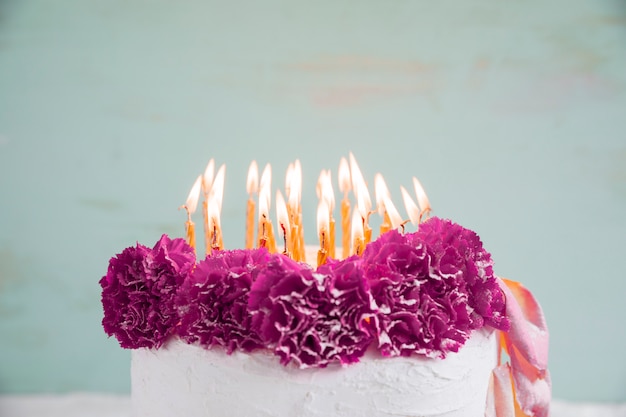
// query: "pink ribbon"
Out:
[521,387]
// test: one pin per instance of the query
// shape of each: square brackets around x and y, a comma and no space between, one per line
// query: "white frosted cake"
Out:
[411,324]
[183,379]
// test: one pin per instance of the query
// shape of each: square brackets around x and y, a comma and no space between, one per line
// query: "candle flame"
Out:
[357,226]
[381,192]
[295,186]
[392,212]
[214,214]
[297,170]
[320,181]
[411,208]
[324,189]
[252,183]
[194,194]
[266,178]
[217,189]
[364,202]
[264,203]
[207,178]
[355,174]
[343,176]
[422,199]
[281,213]
[323,220]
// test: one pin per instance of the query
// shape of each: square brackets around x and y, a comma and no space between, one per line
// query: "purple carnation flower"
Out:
[352,309]
[458,254]
[312,317]
[432,288]
[214,302]
[397,270]
[138,292]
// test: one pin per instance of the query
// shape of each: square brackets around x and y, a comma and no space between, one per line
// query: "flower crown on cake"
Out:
[418,293]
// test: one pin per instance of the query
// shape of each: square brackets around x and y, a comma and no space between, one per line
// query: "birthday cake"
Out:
[410,324]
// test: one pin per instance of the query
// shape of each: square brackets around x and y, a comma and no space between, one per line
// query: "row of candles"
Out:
[356,232]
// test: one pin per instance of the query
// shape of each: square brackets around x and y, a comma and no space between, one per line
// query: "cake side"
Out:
[184,379]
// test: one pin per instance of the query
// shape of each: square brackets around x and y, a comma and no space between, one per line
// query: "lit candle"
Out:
[297,171]
[215,231]
[207,182]
[292,240]
[322,230]
[271,239]
[263,219]
[325,192]
[364,206]
[422,199]
[266,178]
[343,177]
[382,193]
[190,206]
[295,211]
[252,186]
[358,242]
[331,231]
[364,202]
[283,221]
[411,208]
[266,233]
[216,196]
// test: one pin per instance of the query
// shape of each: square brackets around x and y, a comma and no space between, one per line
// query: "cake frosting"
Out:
[416,325]
[184,379]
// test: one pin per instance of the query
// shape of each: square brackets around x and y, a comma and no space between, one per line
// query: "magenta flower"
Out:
[138,292]
[311,317]
[418,293]
[407,321]
[432,288]
[213,303]
[458,252]
[348,323]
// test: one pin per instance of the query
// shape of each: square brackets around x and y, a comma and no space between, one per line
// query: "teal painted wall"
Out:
[512,114]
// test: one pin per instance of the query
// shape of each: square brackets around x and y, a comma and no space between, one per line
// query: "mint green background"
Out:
[512,114]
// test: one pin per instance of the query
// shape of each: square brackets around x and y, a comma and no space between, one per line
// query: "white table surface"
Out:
[105,405]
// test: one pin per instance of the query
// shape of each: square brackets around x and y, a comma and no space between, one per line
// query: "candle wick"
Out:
[403,224]
[282,226]
[264,223]
[358,250]
[187,210]
[263,238]
[214,241]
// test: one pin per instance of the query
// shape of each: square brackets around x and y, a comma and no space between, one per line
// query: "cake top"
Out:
[413,293]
